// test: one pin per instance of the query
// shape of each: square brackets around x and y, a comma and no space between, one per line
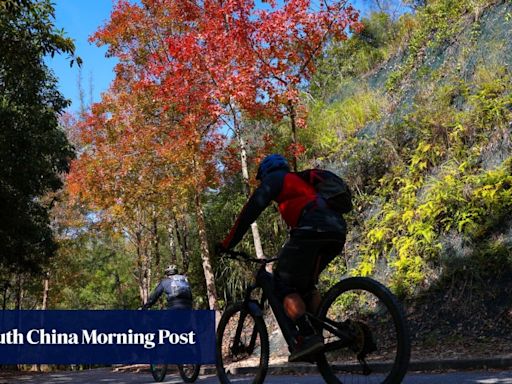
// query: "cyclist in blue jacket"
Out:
[317,235]
[176,288]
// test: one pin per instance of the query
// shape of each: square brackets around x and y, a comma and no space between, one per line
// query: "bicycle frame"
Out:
[265,281]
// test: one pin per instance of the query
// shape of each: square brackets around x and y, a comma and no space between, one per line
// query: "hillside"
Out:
[422,110]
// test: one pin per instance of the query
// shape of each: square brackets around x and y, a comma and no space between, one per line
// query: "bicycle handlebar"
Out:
[242,256]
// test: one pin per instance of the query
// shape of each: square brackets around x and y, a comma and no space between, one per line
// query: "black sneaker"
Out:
[307,346]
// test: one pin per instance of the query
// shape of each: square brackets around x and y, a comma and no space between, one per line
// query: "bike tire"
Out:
[231,318]
[189,372]
[158,371]
[398,345]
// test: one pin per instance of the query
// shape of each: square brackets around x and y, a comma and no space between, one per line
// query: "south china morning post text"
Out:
[94,337]
[107,337]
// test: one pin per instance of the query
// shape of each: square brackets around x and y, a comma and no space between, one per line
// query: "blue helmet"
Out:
[271,163]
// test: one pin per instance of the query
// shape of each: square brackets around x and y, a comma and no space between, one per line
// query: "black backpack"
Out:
[330,187]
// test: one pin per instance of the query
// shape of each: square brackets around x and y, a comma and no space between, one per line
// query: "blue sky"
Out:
[80,19]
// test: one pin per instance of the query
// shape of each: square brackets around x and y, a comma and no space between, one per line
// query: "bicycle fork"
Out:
[238,347]
[255,309]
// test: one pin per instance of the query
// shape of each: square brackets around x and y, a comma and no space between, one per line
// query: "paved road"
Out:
[109,377]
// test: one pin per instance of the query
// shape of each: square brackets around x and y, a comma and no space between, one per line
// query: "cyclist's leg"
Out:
[294,306]
[330,246]
[305,255]
[294,277]
[313,300]
[292,274]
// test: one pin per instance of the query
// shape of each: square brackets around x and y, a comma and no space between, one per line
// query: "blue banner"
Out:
[107,337]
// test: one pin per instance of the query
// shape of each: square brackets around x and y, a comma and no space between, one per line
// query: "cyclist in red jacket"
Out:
[317,235]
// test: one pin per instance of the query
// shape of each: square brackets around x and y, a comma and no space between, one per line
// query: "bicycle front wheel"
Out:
[189,372]
[242,346]
[366,336]
[158,371]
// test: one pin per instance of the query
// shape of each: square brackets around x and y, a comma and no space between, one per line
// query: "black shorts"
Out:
[303,257]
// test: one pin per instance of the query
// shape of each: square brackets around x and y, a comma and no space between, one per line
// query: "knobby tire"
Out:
[158,371]
[259,327]
[187,374]
[401,360]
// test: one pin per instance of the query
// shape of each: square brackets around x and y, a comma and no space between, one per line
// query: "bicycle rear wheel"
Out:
[189,372]
[372,343]
[158,371]
[242,342]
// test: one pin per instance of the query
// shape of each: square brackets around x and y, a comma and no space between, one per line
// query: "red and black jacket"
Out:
[294,196]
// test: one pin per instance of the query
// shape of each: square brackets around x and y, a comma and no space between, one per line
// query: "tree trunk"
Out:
[142,267]
[292,114]
[19,292]
[148,275]
[182,234]
[172,242]
[5,289]
[245,174]
[156,243]
[211,291]
[46,289]
[44,304]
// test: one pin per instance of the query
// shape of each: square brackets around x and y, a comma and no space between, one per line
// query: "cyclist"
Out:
[317,235]
[176,288]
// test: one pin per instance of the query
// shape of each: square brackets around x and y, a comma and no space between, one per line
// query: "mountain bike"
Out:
[366,339]
[188,372]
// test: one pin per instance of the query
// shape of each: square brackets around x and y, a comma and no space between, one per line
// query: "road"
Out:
[109,377]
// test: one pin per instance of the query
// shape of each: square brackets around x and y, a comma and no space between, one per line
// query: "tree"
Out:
[142,159]
[286,40]
[137,35]
[205,57]
[207,64]
[34,152]
[123,173]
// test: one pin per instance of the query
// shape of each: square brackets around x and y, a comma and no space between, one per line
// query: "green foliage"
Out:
[33,150]
[356,56]
[332,274]
[443,186]
[437,23]
[333,127]
[93,271]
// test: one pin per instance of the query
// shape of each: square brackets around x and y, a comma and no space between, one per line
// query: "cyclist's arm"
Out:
[155,295]
[259,200]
